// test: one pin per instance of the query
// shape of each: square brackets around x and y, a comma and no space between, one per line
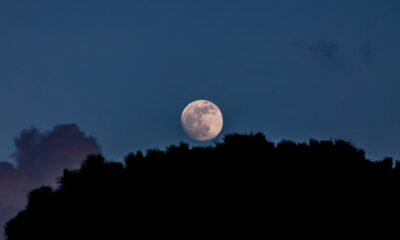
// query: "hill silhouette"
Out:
[245,186]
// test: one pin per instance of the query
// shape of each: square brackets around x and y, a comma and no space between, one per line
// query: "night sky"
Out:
[123,71]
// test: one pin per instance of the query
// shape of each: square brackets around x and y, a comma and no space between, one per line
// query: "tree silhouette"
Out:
[233,188]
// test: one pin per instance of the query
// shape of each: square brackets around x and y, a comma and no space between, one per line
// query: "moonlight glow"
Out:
[202,120]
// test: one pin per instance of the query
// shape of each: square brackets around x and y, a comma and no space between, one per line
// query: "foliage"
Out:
[233,189]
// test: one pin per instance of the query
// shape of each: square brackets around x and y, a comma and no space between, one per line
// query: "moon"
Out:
[202,120]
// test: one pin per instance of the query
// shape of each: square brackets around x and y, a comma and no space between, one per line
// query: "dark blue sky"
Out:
[124,70]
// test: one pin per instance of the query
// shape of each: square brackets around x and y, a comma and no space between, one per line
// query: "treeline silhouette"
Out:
[245,186]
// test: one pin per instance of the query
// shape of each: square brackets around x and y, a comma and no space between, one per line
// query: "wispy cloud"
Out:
[320,48]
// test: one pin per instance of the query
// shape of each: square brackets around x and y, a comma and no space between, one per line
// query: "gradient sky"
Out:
[124,70]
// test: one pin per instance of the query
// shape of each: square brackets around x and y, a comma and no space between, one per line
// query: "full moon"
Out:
[202,120]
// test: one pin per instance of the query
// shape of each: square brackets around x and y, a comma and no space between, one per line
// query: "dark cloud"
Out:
[366,51]
[367,57]
[39,159]
[320,48]
[327,49]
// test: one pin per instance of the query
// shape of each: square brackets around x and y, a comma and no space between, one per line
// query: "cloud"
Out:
[39,158]
[320,48]
[366,51]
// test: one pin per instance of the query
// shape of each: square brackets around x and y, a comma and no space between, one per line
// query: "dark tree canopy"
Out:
[242,187]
